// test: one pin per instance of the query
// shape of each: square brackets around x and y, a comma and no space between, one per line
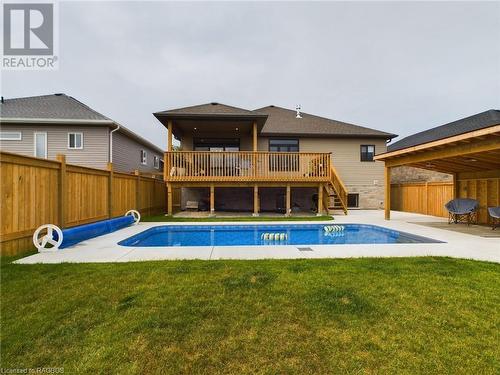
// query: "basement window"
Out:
[353,200]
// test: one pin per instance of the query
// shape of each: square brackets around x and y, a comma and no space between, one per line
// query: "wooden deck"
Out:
[247,166]
[256,169]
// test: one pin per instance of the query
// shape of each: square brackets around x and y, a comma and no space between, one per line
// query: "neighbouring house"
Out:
[270,159]
[48,125]
[468,149]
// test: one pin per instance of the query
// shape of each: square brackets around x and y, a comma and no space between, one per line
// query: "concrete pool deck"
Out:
[456,244]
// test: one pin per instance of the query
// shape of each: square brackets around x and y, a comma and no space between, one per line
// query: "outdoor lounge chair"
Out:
[192,205]
[495,216]
[462,210]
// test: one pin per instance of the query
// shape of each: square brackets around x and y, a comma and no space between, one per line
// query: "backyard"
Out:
[407,315]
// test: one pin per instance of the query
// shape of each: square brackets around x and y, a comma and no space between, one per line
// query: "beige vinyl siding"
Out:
[127,155]
[95,143]
[345,156]
[361,177]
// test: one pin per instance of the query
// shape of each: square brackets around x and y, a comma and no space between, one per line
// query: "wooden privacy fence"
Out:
[38,191]
[430,198]
[422,198]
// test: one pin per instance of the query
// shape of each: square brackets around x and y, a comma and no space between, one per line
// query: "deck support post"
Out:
[254,134]
[288,211]
[320,200]
[169,199]
[169,135]
[212,200]
[387,199]
[255,200]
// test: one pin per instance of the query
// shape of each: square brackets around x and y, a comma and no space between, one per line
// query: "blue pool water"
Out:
[239,235]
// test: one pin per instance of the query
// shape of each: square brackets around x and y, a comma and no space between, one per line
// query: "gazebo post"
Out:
[387,201]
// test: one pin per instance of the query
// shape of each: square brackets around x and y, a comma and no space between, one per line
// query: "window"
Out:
[10,136]
[156,160]
[75,141]
[280,163]
[144,157]
[352,200]
[367,152]
[41,145]
[284,145]
[216,144]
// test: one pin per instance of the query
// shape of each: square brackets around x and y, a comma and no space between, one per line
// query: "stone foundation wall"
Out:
[370,196]
[401,175]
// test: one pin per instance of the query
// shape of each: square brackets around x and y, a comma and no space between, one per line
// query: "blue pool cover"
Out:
[72,236]
[241,235]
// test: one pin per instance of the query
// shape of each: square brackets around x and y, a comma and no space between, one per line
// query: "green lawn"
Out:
[237,218]
[405,316]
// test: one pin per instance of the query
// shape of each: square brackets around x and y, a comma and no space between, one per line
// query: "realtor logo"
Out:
[29,36]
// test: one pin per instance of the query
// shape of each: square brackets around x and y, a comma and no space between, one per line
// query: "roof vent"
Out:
[214,103]
[58,94]
[2,99]
[298,111]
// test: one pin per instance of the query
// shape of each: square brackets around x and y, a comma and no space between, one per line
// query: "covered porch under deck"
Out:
[248,199]
[472,158]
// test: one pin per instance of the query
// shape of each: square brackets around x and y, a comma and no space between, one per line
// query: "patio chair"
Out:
[495,216]
[192,205]
[462,210]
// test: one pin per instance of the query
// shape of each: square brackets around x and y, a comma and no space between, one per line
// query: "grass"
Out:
[408,316]
[238,218]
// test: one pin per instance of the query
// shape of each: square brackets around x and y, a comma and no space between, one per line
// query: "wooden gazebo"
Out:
[468,149]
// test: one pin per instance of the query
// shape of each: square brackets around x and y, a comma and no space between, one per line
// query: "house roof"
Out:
[213,108]
[282,121]
[468,124]
[211,111]
[60,109]
[49,107]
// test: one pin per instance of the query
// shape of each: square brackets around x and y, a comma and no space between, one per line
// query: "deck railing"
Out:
[247,166]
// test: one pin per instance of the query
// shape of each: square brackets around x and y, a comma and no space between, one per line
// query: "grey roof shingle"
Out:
[282,121]
[209,109]
[60,107]
[468,124]
[50,107]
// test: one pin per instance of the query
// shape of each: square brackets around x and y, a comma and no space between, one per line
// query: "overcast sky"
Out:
[397,67]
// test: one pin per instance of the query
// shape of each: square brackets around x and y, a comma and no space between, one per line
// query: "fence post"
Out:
[426,200]
[110,190]
[137,187]
[62,190]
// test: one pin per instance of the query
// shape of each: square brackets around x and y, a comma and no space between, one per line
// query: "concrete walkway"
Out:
[458,245]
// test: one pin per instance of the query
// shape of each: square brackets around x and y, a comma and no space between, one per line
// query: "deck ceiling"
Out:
[465,153]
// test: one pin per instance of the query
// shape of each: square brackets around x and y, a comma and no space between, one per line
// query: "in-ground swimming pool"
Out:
[251,235]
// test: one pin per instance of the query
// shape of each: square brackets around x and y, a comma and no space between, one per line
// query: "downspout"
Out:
[111,143]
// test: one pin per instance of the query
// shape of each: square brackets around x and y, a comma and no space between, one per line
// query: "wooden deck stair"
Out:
[336,193]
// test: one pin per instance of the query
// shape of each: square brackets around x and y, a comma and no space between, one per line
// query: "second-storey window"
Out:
[283,163]
[156,160]
[75,141]
[367,152]
[284,145]
[144,157]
